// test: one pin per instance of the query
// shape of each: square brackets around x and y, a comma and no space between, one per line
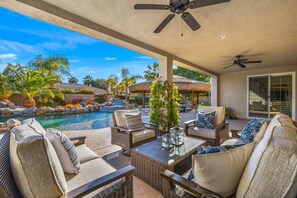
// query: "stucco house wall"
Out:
[232,88]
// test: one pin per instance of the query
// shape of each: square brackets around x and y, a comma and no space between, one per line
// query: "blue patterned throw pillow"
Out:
[211,150]
[251,129]
[206,120]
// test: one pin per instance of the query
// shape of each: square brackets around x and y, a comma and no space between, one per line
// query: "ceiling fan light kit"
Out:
[179,7]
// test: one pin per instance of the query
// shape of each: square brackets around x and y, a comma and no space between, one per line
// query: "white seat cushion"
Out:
[85,154]
[220,113]
[120,119]
[90,171]
[202,132]
[142,135]
[232,141]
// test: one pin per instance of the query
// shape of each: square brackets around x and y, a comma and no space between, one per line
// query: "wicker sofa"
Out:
[30,168]
[270,171]
[126,138]
[214,137]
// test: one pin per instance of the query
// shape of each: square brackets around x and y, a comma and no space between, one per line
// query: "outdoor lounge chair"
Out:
[214,137]
[126,138]
[30,168]
[269,172]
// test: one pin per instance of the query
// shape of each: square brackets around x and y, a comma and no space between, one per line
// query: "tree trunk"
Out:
[28,102]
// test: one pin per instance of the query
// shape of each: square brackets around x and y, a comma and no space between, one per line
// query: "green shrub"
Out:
[132,101]
[82,91]
[100,98]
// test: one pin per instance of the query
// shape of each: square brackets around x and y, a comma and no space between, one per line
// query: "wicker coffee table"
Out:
[150,159]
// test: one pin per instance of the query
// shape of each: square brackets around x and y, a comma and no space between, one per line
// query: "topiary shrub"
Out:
[164,105]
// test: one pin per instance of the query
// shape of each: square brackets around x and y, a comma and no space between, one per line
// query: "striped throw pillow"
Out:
[134,121]
[65,150]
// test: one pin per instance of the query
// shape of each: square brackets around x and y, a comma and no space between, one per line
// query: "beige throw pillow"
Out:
[221,172]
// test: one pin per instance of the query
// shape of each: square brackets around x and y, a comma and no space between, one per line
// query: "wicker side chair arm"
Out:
[190,123]
[85,189]
[190,186]
[80,140]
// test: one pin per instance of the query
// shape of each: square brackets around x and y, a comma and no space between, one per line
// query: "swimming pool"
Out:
[94,120]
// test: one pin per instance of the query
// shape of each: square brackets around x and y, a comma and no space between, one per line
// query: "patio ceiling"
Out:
[265,29]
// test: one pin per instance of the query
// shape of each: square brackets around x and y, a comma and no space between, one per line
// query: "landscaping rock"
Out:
[30,110]
[42,110]
[74,109]
[7,111]
[18,111]
[3,104]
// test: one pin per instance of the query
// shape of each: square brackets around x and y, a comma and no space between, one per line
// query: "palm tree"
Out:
[111,82]
[56,64]
[32,83]
[127,80]
[152,73]
[72,80]
[88,80]
[5,88]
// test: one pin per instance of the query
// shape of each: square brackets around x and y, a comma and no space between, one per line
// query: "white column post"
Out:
[166,69]
[214,91]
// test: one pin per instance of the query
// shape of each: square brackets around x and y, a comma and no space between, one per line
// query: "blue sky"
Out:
[22,38]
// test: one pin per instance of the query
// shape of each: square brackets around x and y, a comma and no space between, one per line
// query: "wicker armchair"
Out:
[127,138]
[214,137]
[90,181]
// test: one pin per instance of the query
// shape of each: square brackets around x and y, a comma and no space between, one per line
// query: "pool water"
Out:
[94,120]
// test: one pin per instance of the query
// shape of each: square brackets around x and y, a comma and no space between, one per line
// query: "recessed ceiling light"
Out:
[222,36]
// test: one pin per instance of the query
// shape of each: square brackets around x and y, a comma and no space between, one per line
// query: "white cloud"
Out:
[110,58]
[74,61]
[91,72]
[143,57]
[17,46]
[8,56]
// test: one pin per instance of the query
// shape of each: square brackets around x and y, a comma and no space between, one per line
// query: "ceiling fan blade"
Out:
[203,3]
[252,62]
[229,66]
[150,7]
[241,65]
[164,23]
[191,21]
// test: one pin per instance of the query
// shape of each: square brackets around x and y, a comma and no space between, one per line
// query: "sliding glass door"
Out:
[269,95]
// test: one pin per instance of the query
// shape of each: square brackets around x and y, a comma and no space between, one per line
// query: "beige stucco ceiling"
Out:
[265,29]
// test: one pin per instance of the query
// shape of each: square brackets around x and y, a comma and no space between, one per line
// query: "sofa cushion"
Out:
[206,120]
[120,117]
[261,132]
[255,158]
[90,171]
[134,121]
[251,129]
[35,165]
[221,172]
[142,135]
[85,154]
[202,132]
[8,187]
[220,113]
[276,170]
[65,150]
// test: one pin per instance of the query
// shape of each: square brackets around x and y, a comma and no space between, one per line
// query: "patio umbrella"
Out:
[185,85]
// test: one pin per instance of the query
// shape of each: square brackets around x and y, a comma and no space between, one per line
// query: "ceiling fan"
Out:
[239,61]
[179,7]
